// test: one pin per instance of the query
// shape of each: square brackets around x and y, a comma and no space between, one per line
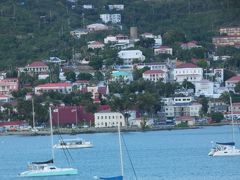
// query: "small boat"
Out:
[226,148]
[47,168]
[73,144]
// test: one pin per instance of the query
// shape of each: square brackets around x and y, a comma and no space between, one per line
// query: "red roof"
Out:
[184,118]
[234,79]
[12,123]
[55,85]
[153,72]
[37,64]
[82,81]
[187,65]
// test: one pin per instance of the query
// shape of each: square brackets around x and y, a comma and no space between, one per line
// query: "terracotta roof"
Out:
[82,81]
[187,65]
[234,79]
[153,72]
[12,123]
[184,118]
[37,64]
[54,85]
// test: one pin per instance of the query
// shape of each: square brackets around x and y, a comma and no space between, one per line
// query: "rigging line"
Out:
[135,174]
[66,149]
[65,152]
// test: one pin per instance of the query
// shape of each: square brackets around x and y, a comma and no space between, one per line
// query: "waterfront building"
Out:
[108,119]
[181,106]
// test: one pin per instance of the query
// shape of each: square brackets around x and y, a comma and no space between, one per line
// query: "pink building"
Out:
[155,75]
[190,45]
[8,85]
[64,88]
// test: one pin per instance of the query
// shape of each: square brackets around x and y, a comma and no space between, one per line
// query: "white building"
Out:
[117,7]
[163,50]
[111,18]
[204,87]
[95,45]
[129,56]
[35,67]
[97,27]
[153,66]
[231,82]
[189,72]
[78,33]
[87,6]
[155,75]
[108,119]
[64,88]
[181,106]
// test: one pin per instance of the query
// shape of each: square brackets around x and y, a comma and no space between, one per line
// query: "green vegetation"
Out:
[38,29]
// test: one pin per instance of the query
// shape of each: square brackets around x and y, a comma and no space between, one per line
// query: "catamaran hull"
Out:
[60,172]
[235,152]
[73,146]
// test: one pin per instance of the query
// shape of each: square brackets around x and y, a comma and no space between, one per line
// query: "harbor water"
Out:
[157,155]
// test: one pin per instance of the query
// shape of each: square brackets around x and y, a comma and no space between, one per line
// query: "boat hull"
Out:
[56,172]
[73,146]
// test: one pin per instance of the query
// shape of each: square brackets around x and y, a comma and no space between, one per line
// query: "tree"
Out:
[146,42]
[204,101]
[217,117]
[70,76]
[84,76]
[188,85]
[237,88]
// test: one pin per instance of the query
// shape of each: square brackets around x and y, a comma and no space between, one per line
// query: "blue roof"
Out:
[121,73]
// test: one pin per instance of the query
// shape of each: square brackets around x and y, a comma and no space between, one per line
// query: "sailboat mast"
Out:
[33,111]
[120,148]
[51,131]
[233,137]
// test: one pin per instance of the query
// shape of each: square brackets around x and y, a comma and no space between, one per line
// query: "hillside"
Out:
[38,29]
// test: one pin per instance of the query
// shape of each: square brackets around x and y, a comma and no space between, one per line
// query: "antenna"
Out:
[233,137]
[33,116]
[51,131]
[120,146]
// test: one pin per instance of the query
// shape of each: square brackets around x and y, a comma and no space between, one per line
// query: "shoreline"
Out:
[46,132]
[93,130]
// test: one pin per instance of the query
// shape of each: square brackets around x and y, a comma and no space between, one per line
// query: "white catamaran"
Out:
[47,168]
[228,148]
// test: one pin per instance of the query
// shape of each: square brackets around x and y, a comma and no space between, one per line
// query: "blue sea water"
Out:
[158,155]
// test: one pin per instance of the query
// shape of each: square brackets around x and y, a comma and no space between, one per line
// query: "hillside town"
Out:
[139,79]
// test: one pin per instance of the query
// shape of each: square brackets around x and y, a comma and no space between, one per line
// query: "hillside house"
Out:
[155,75]
[189,72]
[231,82]
[8,85]
[163,50]
[130,56]
[64,88]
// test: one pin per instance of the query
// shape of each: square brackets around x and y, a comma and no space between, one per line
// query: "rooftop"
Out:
[187,65]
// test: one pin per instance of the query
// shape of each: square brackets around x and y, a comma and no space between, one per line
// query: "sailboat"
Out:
[227,148]
[120,177]
[47,168]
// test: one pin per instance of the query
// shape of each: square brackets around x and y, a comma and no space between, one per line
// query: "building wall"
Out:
[190,74]
[108,119]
